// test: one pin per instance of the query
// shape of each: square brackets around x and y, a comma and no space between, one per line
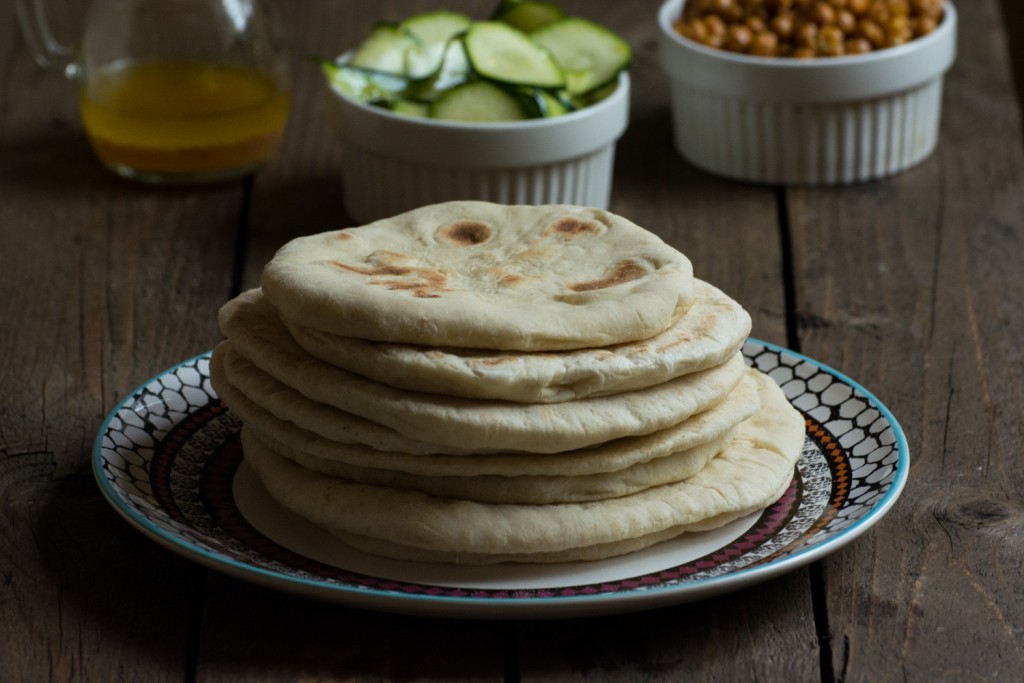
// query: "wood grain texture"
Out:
[101,290]
[732,638]
[912,285]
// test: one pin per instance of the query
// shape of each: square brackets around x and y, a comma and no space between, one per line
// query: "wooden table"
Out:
[912,285]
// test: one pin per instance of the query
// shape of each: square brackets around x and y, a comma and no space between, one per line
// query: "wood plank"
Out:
[105,283]
[735,637]
[925,310]
[254,634]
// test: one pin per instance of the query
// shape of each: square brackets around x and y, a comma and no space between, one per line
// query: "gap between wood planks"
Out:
[1013,16]
[197,608]
[816,573]
[241,237]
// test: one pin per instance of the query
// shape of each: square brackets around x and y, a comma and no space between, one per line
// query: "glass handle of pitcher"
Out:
[47,50]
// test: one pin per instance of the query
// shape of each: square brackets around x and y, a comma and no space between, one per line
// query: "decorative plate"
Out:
[168,460]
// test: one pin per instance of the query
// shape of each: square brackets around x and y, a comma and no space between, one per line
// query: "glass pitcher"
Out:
[174,90]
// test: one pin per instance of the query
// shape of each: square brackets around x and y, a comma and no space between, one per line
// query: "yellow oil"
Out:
[183,117]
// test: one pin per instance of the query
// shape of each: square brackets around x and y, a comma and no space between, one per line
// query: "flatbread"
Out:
[473,423]
[481,275]
[516,489]
[292,410]
[422,459]
[748,475]
[713,330]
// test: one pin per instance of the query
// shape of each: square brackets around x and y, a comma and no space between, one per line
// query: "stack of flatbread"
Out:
[478,383]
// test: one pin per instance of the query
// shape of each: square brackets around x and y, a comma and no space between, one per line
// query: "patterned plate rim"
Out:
[816,541]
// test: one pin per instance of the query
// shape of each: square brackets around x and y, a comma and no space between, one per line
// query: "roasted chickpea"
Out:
[739,38]
[715,26]
[823,14]
[831,41]
[806,34]
[846,21]
[694,29]
[859,7]
[808,28]
[756,24]
[783,25]
[857,46]
[872,32]
[924,26]
[766,44]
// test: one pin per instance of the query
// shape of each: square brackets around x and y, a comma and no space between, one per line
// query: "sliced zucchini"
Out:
[591,55]
[454,70]
[430,32]
[411,108]
[528,15]
[529,60]
[477,101]
[435,27]
[552,105]
[383,50]
[365,85]
[540,103]
[507,55]
[598,94]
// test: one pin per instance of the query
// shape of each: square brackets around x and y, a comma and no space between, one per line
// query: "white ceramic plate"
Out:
[168,460]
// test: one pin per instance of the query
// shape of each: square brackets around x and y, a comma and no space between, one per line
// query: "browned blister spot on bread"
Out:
[624,271]
[506,278]
[423,283]
[572,227]
[496,360]
[465,233]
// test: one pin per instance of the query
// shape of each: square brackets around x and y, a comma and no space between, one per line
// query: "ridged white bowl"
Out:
[824,121]
[391,163]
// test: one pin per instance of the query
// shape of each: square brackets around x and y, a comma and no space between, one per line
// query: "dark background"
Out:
[1013,12]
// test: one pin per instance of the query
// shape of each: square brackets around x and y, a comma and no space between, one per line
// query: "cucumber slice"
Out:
[527,15]
[477,101]
[591,55]
[435,27]
[540,103]
[551,105]
[430,32]
[599,93]
[507,55]
[410,108]
[383,50]
[454,70]
[365,85]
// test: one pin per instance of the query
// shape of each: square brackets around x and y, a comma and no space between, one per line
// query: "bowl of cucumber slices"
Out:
[523,106]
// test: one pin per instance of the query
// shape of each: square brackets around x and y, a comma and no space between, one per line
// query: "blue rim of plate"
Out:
[166,455]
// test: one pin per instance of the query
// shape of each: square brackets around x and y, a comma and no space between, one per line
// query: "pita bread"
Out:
[465,423]
[747,475]
[422,459]
[481,275]
[713,330]
[289,407]
[516,489]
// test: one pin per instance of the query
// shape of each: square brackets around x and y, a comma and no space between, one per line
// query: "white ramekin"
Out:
[824,121]
[391,163]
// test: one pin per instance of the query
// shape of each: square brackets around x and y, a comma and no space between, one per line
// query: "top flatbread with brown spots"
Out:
[480,275]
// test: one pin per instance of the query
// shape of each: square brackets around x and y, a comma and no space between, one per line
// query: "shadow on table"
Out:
[57,162]
[103,587]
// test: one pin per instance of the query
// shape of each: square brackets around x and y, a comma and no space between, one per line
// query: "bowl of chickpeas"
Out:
[806,92]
